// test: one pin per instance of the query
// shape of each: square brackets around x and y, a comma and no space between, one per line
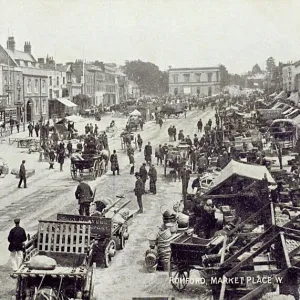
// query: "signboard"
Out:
[187,90]
[269,114]
[100,227]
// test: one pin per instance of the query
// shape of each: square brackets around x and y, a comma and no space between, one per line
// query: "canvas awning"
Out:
[255,172]
[135,113]
[66,102]
[273,95]
[281,96]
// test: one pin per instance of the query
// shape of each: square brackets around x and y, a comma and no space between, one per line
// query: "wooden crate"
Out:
[61,236]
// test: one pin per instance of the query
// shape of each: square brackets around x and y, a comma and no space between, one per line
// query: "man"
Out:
[143,174]
[51,158]
[87,128]
[148,153]
[11,123]
[22,175]
[196,140]
[16,238]
[153,178]
[30,129]
[196,182]
[37,129]
[202,163]
[114,163]
[170,133]
[18,125]
[209,219]
[199,125]
[139,191]
[70,148]
[84,195]
[77,155]
[189,141]
[96,130]
[131,162]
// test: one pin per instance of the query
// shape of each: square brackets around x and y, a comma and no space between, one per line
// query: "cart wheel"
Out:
[180,280]
[73,171]
[109,250]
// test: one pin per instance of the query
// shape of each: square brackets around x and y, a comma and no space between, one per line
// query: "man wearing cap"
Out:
[22,175]
[139,191]
[143,174]
[16,238]
[84,195]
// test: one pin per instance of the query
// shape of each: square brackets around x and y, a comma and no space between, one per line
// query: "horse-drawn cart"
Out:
[128,138]
[71,277]
[90,165]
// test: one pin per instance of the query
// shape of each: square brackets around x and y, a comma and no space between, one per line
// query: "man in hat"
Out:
[22,175]
[16,238]
[153,178]
[139,191]
[84,195]
[143,174]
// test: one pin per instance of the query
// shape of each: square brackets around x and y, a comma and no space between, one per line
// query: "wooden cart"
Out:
[72,278]
[89,166]
[104,232]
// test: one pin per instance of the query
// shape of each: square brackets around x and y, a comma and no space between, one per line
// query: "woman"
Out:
[114,163]
[61,156]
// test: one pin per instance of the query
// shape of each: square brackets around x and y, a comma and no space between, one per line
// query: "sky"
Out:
[186,33]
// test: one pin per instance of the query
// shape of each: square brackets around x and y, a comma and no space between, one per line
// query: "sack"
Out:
[42,262]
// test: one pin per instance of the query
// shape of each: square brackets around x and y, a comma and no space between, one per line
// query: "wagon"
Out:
[72,278]
[89,166]
[105,233]
[124,143]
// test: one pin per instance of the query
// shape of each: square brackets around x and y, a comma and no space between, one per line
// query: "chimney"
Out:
[27,47]
[41,61]
[11,45]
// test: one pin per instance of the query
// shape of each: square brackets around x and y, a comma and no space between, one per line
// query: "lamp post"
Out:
[19,102]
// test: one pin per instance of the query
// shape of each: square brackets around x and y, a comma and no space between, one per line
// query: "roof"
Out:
[187,69]
[64,68]
[66,102]
[19,55]
[255,172]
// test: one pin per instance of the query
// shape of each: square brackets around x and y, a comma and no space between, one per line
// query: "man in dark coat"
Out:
[148,153]
[199,125]
[84,195]
[37,129]
[114,163]
[139,191]
[196,182]
[30,129]
[131,162]
[16,238]
[22,175]
[153,178]
[143,174]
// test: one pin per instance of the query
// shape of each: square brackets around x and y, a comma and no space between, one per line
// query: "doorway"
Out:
[28,111]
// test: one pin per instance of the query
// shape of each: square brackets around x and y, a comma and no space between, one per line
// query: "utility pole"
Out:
[184,190]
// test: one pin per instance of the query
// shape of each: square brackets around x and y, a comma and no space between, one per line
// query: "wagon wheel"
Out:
[73,171]
[180,279]
[122,239]
[109,250]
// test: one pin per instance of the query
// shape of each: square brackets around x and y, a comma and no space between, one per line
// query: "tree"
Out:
[256,69]
[83,101]
[224,76]
[270,64]
[147,75]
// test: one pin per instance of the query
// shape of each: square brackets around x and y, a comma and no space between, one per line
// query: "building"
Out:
[111,85]
[34,85]
[99,85]
[122,89]
[133,90]
[255,81]
[291,77]
[194,81]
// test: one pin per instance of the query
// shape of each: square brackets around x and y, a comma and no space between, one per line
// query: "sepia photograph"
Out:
[149,150]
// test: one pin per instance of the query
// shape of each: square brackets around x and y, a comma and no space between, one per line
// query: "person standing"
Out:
[87,129]
[37,129]
[18,125]
[22,175]
[199,125]
[96,130]
[139,190]
[114,163]
[16,238]
[139,142]
[143,174]
[153,178]
[11,124]
[148,153]
[51,158]
[30,129]
[70,148]
[174,133]
[160,122]
[159,154]
[131,162]
[84,195]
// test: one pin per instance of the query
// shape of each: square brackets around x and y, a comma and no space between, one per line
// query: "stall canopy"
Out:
[234,168]
[273,95]
[66,102]
[135,113]
[294,98]
[281,96]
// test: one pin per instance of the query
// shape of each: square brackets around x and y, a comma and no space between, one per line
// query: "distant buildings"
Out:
[194,81]
[291,77]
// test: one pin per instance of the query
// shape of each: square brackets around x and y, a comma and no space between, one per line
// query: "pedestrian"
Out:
[142,124]
[11,124]
[209,219]
[199,125]
[87,129]
[153,178]
[96,130]
[196,140]
[139,191]
[143,174]
[139,142]
[61,156]
[180,135]
[170,133]
[18,125]
[159,154]
[131,162]
[70,148]
[36,129]
[114,163]
[174,133]
[22,175]
[84,195]
[16,238]
[160,122]
[91,129]
[148,153]
[51,158]
[30,129]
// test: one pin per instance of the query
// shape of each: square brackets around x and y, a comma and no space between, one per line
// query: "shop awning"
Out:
[66,102]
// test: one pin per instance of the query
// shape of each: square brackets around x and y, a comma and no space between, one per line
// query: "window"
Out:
[50,94]
[29,86]
[198,91]
[198,77]
[186,77]
[44,106]
[50,79]
[175,78]
[36,85]
[209,77]
[44,86]
[176,91]
[36,107]
[64,80]
[57,80]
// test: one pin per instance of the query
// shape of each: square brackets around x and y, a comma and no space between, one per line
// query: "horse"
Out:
[105,155]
